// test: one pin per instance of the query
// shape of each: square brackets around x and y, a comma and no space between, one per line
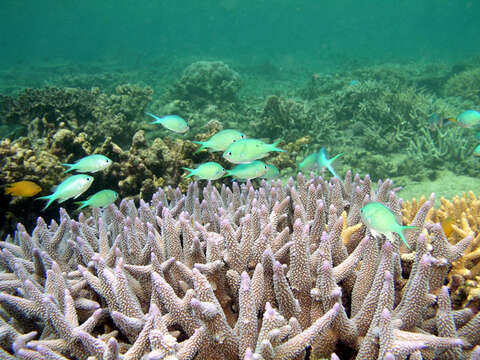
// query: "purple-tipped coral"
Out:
[237,273]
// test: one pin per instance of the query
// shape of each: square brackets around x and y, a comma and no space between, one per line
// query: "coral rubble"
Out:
[278,272]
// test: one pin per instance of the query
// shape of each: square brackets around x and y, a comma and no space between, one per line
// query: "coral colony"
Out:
[274,272]
[297,269]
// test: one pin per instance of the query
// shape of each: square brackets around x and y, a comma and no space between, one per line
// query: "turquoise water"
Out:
[362,78]
[135,32]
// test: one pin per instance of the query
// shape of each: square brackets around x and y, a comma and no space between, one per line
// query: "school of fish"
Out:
[245,154]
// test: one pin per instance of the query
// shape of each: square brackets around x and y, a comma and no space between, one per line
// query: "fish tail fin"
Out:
[50,199]
[335,157]
[82,204]
[330,168]
[156,118]
[273,147]
[71,167]
[202,143]
[9,190]
[227,173]
[188,169]
[406,227]
[404,241]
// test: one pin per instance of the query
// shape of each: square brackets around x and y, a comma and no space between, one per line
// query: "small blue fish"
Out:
[381,220]
[309,163]
[100,199]
[221,140]
[354,82]
[245,151]
[91,163]
[324,161]
[476,151]
[272,172]
[171,122]
[248,171]
[207,171]
[434,122]
[71,187]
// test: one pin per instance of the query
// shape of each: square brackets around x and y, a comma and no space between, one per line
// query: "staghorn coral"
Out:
[279,272]
[460,217]
[448,147]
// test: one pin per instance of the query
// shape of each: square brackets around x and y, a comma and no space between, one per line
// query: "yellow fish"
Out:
[23,188]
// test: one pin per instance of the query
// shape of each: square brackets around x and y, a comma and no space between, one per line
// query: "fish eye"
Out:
[229,153]
[223,169]
[243,136]
[265,166]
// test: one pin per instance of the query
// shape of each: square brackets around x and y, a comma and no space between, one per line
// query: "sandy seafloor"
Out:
[446,185]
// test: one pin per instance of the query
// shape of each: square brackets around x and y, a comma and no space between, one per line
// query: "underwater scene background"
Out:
[392,86]
[369,81]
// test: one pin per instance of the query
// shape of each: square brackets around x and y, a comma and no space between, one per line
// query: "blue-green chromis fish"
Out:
[476,151]
[247,150]
[71,187]
[100,199]
[310,162]
[272,172]
[171,122]
[91,164]
[467,119]
[380,219]
[221,140]
[324,161]
[249,171]
[207,171]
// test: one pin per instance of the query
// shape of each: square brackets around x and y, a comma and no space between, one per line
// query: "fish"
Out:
[381,220]
[324,161]
[354,82]
[23,188]
[272,172]
[247,150]
[310,162]
[90,163]
[207,171]
[220,141]
[434,122]
[71,187]
[476,151]
[100,199]
[248,171]
[467,119]
[171,122]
